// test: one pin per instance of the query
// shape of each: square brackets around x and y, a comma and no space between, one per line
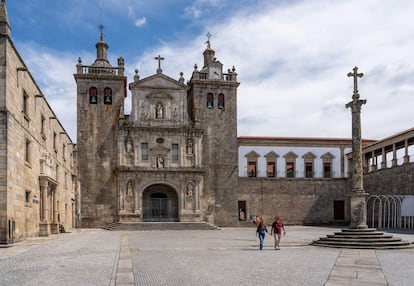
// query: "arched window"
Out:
[221,101]
[93,95]
[210,100]
[107,95]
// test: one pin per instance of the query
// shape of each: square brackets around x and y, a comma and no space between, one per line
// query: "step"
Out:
[358,236]
[148,226]
[356,239]
[402,246]
[363,244]
[361,233]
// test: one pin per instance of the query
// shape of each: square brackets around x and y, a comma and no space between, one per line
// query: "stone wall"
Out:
[27,137]
[296,201]
[391,181]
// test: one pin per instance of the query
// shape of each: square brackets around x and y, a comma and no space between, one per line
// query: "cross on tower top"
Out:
[101,27]
[159,58]
[355,74]
[208,39]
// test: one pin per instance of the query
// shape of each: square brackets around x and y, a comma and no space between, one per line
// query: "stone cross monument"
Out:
[358,195]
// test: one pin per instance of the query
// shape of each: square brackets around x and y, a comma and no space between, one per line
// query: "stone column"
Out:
[373,165]
[44,224]
[394,155]
[54,226]
[406,156]
[357,195]
[384,158]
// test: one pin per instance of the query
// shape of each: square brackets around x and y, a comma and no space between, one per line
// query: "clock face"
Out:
[214,73]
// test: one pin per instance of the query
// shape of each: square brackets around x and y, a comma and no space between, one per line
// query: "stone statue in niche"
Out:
[160,161]
[175,114]
[129,189]
[190,189]
[129,146]
[144,113]
[159,113]
[189,146]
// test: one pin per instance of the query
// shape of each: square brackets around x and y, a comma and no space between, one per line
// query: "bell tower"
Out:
[213,108]
[101,90]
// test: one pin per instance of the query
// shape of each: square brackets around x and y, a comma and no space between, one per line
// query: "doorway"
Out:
[160,204]
[339,210]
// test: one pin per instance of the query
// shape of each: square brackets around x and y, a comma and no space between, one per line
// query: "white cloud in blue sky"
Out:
[292,57]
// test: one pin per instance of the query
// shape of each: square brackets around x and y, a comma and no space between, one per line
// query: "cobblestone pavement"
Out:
[229,256]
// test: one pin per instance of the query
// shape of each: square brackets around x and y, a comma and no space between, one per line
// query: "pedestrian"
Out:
[277,228]
[261,232]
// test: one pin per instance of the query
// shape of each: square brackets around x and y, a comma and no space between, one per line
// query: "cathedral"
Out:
[174,158]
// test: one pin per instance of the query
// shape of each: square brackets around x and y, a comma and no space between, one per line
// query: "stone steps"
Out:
[362,238]
[149,226]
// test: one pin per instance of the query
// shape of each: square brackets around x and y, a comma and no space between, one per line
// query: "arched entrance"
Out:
[160,203]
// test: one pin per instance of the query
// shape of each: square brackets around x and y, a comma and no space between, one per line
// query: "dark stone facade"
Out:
[174,158]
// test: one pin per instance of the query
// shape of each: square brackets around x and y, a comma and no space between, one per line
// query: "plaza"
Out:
[228,256]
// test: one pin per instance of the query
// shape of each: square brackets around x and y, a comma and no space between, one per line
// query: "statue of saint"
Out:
[190,189]
[160,111]
[129,147]
[160,161]
[189,146]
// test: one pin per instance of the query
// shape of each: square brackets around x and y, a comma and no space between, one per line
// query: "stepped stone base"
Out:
[368,238]
[143,226]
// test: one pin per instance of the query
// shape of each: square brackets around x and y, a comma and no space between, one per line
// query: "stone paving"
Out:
[229,256]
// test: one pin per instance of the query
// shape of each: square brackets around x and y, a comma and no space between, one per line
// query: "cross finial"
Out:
[101,27]
[159,58]
[208,39]
[355,74]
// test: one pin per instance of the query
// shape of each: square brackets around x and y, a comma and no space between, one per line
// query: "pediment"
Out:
[309,156]
[252,154]
[290,155]
[271,155]
[328,156]
[157,81]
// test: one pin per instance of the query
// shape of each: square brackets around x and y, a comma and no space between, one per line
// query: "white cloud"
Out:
[140,22]
[292,62]
[53,72]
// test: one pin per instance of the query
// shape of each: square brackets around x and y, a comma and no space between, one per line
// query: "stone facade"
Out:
[174,158]
[38,178]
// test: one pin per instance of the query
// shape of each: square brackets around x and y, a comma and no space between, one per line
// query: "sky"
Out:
[292,57]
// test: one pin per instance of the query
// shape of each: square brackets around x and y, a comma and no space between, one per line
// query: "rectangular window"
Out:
[175,152]
[42,126]
[63,152]
[25,103]
[54,141]
[327,172]
[271,169]
[290,169]
[27,198]
[27,151]
[144,151]
[251,169]
[308,170]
